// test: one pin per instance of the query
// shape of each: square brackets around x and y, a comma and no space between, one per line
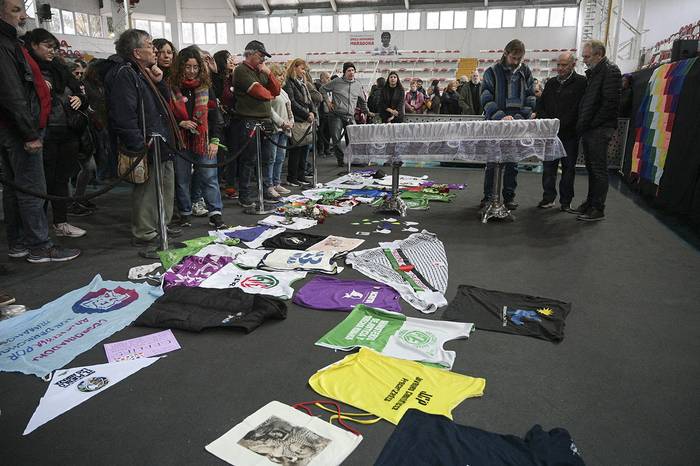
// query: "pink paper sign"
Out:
[142,347]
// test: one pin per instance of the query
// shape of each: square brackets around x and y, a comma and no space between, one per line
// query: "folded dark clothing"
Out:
[423,439]
[194,309]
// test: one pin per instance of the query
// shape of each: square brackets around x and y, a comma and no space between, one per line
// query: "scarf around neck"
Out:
[197,142]
[174,129]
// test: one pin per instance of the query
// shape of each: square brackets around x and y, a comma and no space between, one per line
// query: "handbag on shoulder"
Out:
[301,134]
[126,159]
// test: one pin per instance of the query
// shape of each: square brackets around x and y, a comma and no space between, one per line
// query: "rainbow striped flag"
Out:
[655,118]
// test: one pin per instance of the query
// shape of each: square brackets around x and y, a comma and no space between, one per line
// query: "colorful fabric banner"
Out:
[40,341]
[655,119]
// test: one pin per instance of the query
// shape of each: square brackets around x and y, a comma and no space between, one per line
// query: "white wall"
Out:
[661,19]
[469,41]
[150,7]
[664,17]
[82,6]
[215,11]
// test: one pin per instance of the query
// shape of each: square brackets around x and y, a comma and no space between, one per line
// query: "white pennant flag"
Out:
[70,387]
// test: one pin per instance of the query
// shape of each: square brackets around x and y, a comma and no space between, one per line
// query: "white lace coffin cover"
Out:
[474,141]
[423,286]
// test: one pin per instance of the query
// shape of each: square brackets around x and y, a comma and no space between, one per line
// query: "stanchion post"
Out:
[494,207]
[162,226]
[314,153]
[499,183]
[258,148]
[260,208]
[395,173]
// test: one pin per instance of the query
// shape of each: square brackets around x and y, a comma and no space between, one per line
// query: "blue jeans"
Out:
[336,125]
[205,179]
[510,173]
[247,160]
[278,154]
[25,215]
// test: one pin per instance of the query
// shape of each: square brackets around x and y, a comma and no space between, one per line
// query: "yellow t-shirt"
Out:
[387,387]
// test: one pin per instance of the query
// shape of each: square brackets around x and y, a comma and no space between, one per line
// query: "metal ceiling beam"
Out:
[334,6]
[265,6]
[232,6]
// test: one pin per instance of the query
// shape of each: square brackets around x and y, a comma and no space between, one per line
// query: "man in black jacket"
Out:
[23,115]
[560,99]
[137,105]
[597,121]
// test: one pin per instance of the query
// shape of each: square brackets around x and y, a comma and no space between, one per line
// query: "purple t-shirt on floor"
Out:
[193,270]
[330,293]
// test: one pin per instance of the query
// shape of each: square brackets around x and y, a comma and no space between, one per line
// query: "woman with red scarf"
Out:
[194,106]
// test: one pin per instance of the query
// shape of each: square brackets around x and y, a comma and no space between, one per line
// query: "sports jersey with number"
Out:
[387,387]
[343,295]
[416,267]
[254,281]
[310,261]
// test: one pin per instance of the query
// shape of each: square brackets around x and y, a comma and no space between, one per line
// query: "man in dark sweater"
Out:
[597,121]
[560,99]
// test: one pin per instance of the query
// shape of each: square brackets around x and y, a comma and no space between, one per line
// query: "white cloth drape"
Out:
[478,141]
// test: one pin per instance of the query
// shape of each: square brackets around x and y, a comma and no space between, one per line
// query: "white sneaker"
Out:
[66,229]
[282,190]
[12,310]
[199,209]
[271,193]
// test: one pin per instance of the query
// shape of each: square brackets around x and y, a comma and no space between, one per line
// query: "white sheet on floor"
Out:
[294,223]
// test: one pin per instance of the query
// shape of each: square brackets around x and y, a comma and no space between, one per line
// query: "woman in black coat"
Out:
[65,125]
[433,100]
[304,111]
[450,100]
[391,106]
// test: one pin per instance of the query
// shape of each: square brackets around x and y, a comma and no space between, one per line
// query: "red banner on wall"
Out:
[361,40]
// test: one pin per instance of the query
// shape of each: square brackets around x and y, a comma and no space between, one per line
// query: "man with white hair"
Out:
[597,121]
[25,104]
[466,104]
[475,86]
[560,99]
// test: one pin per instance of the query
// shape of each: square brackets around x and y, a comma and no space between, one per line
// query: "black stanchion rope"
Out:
[50,197]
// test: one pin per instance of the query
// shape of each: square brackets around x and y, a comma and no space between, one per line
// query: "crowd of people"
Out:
[66,122]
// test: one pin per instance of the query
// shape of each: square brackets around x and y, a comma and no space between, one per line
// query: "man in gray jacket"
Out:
[346,94]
